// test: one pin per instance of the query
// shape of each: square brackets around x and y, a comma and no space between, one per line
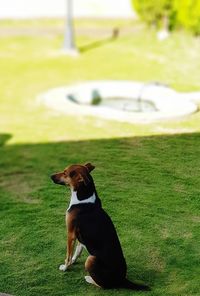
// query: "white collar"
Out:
[75,201]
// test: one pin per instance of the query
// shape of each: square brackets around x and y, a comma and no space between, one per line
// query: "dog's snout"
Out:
[56,178]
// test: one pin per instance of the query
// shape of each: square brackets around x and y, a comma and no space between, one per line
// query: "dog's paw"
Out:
[63,267]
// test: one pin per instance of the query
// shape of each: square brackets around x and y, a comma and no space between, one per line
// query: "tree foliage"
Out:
[187,14]
[175,13]
[152,11]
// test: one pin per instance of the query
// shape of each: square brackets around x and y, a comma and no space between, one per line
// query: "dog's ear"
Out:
[89,166]
[78,178]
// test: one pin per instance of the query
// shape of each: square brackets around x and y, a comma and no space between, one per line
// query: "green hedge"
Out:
[171,13]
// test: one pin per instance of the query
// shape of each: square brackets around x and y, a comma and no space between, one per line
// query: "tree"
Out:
[187,15]
[171,14]
[153,12]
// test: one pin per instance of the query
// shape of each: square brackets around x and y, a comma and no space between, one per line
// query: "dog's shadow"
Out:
[144,276]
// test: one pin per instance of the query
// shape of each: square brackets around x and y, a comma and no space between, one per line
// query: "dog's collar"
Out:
[75,201]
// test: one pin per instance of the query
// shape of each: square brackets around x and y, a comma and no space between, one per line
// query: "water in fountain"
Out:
[128,104]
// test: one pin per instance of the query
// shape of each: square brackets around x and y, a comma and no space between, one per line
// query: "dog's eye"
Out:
[72,174]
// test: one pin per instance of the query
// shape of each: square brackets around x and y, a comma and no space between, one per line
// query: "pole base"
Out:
[70,51]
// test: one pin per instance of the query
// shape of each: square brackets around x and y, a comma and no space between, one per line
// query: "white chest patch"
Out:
[75,201]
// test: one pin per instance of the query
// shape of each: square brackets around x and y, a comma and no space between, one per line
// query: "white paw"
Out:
[63,267]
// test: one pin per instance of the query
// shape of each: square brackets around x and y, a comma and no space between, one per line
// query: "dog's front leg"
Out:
[77,253]
[71,238]
[70,247]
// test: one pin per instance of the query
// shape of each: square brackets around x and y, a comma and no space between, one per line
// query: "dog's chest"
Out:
[75,201]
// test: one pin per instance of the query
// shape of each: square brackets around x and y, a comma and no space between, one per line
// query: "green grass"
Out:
[147,175]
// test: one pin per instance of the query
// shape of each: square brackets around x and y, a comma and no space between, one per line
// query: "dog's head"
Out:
[74,175]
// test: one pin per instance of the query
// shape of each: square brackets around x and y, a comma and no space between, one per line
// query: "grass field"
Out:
[146,175]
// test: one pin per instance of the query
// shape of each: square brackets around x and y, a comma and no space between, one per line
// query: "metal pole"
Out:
[69,44]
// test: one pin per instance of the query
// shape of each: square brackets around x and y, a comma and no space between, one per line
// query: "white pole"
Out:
[69,43]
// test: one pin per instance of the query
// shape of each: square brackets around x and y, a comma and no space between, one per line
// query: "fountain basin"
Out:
[124,101]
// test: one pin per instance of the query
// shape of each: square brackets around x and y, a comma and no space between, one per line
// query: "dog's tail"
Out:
[135,286]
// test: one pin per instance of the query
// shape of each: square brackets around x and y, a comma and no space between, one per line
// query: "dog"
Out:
[88,223]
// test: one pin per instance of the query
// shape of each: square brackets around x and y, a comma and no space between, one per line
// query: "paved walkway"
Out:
[53,30]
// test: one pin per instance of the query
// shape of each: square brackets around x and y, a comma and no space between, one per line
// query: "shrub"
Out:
[153,12]
[187,15]
[170,13]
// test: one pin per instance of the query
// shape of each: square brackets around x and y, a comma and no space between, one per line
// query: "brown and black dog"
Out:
[88,223]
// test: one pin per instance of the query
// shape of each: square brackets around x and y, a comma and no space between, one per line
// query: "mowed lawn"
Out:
[146,175]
